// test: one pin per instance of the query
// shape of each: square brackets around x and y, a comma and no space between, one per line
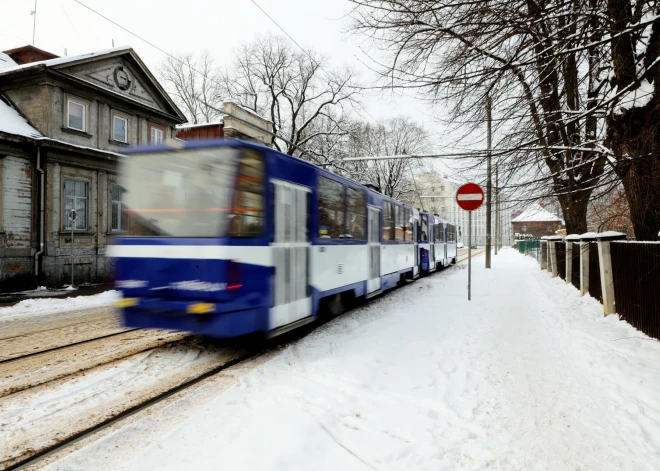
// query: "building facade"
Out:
[64,123]
[439,197]
[537,222]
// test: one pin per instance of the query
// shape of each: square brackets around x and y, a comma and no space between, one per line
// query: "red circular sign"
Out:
[470,196]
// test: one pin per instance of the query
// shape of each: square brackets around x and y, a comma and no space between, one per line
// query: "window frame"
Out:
[150,127]
[264,203]
[126,121]
[388,216]
[66,227]
[342,235]
[348,212]
[68,114]
[120,203]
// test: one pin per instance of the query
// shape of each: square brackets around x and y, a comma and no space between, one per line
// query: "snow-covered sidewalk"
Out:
[526,376]
[42,305]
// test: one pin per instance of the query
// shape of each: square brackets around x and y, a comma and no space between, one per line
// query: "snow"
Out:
[588,235]
[526,376]
[573,237]
[637,98]
[12,122]
[608,234]
[63,60]
[6,61]
[29,307]
[534,214]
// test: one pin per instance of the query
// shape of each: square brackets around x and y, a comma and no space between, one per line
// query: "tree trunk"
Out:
[641,180]
[574,208]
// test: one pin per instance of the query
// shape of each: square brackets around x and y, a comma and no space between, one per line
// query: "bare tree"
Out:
[633,120]
[393,136]
[294,89]
[194,83]
[535,61]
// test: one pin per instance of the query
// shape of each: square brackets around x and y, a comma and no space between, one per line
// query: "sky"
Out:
[67,27]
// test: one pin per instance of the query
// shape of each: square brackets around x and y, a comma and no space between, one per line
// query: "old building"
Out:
[237,123]
[536,221]
[64,122]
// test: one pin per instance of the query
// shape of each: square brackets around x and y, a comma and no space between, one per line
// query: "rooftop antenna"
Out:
[65,54]
[113,42]
[34,24]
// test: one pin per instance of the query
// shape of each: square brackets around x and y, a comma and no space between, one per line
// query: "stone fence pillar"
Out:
[552,241]
[585,240]
[606,275]
[544,253]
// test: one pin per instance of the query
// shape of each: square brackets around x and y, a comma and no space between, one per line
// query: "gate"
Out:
[290,255]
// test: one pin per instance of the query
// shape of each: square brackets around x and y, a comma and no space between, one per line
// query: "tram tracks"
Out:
[73,426]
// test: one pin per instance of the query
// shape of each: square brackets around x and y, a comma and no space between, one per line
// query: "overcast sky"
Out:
[216,25]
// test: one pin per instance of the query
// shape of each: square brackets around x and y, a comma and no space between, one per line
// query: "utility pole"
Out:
[497,206]
[489,188]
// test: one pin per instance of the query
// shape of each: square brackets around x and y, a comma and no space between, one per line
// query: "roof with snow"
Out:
[536,214]
[12,122]
[6,61]
[63,60]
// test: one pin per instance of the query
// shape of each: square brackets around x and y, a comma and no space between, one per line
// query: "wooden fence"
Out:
[623,276]
[575,264]
[636,273]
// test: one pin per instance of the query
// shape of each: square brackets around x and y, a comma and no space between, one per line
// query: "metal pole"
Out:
[497,207]
[490,183]
[34,24]
[469,255]
[72,223]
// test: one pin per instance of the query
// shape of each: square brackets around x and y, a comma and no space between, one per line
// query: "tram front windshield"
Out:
[178,193]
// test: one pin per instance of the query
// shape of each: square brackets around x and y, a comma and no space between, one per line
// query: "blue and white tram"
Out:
[437,243]
[227,238]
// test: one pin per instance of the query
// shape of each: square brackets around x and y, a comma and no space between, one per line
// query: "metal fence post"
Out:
[606,275]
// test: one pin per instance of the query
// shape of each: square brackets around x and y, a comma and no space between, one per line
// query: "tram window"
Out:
[388,220]
[425,228]
[398,225]
[331,209]
[357,208]
[248,211]
[407,225]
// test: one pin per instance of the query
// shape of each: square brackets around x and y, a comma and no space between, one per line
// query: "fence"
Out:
[623,276]
[531,247]
[575,264]
[595,289]
[636,273]
[560,247]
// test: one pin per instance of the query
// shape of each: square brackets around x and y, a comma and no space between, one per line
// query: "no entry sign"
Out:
[470,196]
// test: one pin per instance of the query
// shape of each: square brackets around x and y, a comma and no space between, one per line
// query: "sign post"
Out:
[72,216]
[470,197]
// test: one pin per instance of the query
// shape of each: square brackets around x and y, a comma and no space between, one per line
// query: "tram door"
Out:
[432,263]
[290,247]
[373,281]
[415,228]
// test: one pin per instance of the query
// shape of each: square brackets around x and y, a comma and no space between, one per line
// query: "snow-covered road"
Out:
[527,376]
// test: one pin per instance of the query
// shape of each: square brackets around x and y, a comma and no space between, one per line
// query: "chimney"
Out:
[29,54]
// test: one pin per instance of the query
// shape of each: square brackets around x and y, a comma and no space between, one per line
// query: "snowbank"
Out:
[47,305]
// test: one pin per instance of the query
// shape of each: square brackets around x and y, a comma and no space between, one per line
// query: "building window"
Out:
[548,228]
[331,209]
[119,219]
[524,227]
[356,214]
[76,198]
[248,210]
[156,136]
[76,115]
[120,129]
